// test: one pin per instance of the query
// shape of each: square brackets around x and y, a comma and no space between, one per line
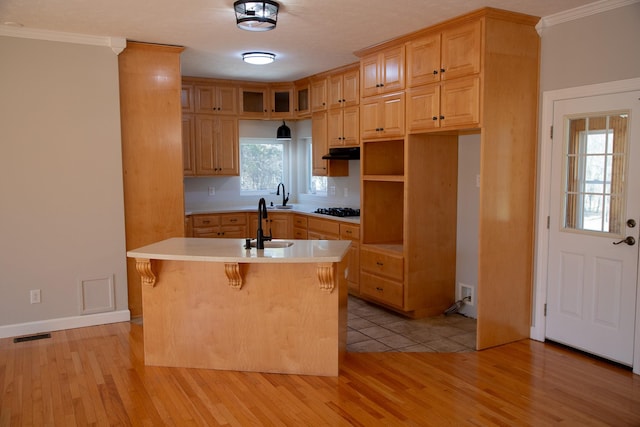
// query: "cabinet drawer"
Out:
[233,219]
[383,264]
[383,290]
[300,221]
[324,227]
[205,232]
[300,233]
[349,232]
[205,220]
[234,232]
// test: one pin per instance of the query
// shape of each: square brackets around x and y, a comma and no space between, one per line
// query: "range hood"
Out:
[343,153]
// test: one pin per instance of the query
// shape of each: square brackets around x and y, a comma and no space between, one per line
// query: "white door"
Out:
[593,226]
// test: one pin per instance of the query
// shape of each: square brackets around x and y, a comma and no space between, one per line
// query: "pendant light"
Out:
[284,133]
[253,15]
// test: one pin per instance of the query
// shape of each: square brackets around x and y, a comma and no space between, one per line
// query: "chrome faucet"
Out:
[284,200]
[262,214]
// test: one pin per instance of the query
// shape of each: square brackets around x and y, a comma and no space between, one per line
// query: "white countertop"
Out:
[232,250]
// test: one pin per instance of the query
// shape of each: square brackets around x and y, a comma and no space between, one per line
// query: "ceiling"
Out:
[311,35]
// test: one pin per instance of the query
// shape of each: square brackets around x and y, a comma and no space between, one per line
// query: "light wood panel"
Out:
[150,114]
[508,177]
[96,375]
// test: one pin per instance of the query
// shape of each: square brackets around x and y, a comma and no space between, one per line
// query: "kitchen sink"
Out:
[273,244]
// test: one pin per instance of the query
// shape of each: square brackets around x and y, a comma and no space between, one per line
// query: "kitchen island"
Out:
[212,303]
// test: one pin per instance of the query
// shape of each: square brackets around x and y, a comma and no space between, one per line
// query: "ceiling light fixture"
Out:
[258,58]
[252,15]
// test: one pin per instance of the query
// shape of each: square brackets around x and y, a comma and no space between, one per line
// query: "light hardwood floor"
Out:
[97,376]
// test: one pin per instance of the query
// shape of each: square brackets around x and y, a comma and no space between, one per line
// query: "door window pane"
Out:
[595,172]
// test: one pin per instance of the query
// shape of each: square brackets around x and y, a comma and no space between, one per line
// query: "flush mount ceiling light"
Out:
[258,58]
[252,15]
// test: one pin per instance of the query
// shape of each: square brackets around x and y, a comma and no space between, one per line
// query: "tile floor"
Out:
[375,329]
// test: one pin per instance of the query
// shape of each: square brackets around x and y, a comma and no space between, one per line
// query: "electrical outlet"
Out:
[478,181]
[34,294]
[212,191]
[465,293]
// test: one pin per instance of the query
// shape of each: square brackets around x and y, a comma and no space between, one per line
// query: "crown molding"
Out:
[117,44]
[581,12]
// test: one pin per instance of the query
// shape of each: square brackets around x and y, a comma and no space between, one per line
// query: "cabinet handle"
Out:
[435,72]
[442,70]
[379,289]
[379,263]
[435,117]
[233,220]
[205,222]
[344,100]
[441,117]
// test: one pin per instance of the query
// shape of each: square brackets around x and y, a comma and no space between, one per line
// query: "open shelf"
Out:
[383,158]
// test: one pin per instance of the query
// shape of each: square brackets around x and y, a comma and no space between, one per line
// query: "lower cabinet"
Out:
[322,229]
[231,225]
[300,227]
[382,276]
[277,223]
[352,232]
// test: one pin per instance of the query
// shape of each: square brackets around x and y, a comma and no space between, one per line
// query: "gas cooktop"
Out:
[338,211]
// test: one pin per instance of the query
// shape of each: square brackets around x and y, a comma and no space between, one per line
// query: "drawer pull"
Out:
[206,221]
[379,263]
[379,289]
[233,220]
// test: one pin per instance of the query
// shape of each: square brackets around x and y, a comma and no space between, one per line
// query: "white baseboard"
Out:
[49,325]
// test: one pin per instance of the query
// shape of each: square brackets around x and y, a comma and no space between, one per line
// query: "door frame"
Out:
[538,320]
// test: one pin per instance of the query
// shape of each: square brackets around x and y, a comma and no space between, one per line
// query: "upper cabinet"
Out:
[267,101]
[281,97]
[318,94]
[382,72]
[344,89]
[216,146]
[186,98]
[216,99]
[452,53]
[302,99]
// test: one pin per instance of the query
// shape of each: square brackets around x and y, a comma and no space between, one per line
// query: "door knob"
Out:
[631,223]
[628,240]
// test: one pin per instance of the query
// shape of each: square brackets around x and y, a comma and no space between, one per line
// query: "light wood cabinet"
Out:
[302,106]
[216,99]
[344,127]
[216,146]
[382,274]
[300,227]
[352,232]
[454,52]
[320,147]
[344,89]
[383,72]
[281,97]
[187,98]
[382,116]
[277,223]
[188,144]
[323,229]
[447,105]
[227,225]
[254,101]
[318,94]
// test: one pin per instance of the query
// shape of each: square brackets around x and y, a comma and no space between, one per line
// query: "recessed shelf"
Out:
[380,178]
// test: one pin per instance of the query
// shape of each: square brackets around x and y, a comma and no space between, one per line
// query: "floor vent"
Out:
[32,337]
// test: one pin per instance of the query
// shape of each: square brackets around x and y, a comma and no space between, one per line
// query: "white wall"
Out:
[227,189]
[594,49]
[62,214]
[468,218]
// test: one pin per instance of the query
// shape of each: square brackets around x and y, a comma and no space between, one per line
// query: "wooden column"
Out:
[151,123]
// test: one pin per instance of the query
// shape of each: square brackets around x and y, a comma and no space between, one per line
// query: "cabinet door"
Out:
[392,119]
[423,108]
[461,50]
[369,82]
[369,120]
[460,102]
[351,88]
[227,100]
[188,144]
[227,142]
[281,101]
[319,143]
[205,145]
[335,121]
[186,98]
[351,126]
[335,90]
[280,225]
[392,70]
[423,60]
[319,95]
[253,102]
[353,277]
[303,104]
